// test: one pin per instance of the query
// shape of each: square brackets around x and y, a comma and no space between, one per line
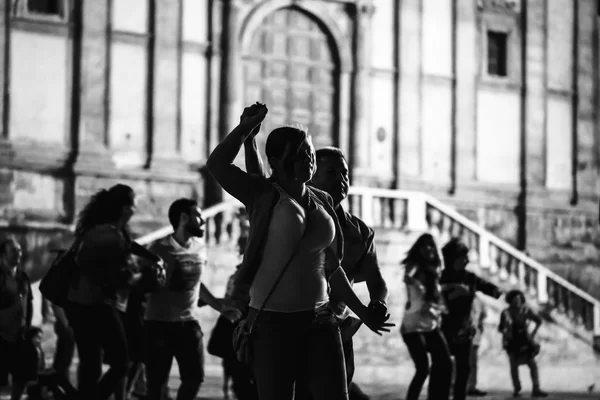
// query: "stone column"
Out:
[360,101]
[94,83]
[535,101]
[166,130]
[4,70]
[585,170]
[228,89]
[230,57]
[466,86]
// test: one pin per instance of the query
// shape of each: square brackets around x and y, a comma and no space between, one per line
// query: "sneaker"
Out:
[539,393]
[517,393]
[476,393]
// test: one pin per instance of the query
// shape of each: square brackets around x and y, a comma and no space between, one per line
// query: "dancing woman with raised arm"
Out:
[422,318]
[296,340]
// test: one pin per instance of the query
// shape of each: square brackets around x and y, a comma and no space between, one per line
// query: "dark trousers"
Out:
[99,333]
[302,348]
[354,392]
[241,377]
[420,345]
[462,357]
[179,340]
[57,383]
[65,349]
[473,363]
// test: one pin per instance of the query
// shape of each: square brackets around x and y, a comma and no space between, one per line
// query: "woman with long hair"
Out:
[99,293]
[295,235]
[422,318]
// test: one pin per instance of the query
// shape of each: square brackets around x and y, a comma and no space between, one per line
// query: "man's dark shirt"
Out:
[457,325]
[360,258]
[19,290]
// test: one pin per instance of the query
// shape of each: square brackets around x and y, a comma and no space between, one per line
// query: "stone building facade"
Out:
[490,105]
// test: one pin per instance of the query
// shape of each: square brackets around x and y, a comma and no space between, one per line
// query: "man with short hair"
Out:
[360,258]
[16,312]
[172,329]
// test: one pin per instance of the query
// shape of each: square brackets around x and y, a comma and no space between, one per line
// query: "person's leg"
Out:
[189,353]
[114,343]
[415,343]
[159,358]
[462,355]
[535,379]
[6,361]
[59,382]
[241,377]
[86,321]
[274,346]
[514,373]
[472,382]
[65,349]
[325,368]
[441,365]
[18,388]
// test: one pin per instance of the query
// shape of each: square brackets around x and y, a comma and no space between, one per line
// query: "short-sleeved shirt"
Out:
[178,299]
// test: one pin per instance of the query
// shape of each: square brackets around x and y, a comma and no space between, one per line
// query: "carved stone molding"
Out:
[501,6]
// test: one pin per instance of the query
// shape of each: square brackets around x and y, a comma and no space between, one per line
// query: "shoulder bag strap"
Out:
[285,267]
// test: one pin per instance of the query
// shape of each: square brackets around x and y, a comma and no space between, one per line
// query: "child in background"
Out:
[519,342]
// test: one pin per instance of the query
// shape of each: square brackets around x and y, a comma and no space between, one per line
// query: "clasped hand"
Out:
[376,317]
[253,116]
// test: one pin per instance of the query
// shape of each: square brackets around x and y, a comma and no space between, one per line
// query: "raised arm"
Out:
[254,164]
[220,162]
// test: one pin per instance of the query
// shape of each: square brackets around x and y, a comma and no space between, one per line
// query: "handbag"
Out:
[219,344]
[55,285]
[243,331]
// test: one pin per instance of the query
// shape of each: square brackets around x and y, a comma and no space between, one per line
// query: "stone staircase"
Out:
[573,318]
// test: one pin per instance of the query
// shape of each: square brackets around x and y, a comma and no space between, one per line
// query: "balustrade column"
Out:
[597,322]
[484,251]
[542,287]
[416,213]
[366,208]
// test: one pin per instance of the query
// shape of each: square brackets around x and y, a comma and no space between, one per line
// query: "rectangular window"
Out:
[47,7]
[496,53]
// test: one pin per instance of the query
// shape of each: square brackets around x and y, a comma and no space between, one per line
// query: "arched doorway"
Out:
[292,65]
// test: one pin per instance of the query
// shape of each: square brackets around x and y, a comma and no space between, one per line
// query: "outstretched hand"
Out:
[254,115]
[231,313]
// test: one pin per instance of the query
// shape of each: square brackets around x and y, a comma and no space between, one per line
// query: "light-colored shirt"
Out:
[304,283]
[178,299]
[420,315]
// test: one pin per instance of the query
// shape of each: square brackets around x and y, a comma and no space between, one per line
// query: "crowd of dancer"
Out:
[130,309]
